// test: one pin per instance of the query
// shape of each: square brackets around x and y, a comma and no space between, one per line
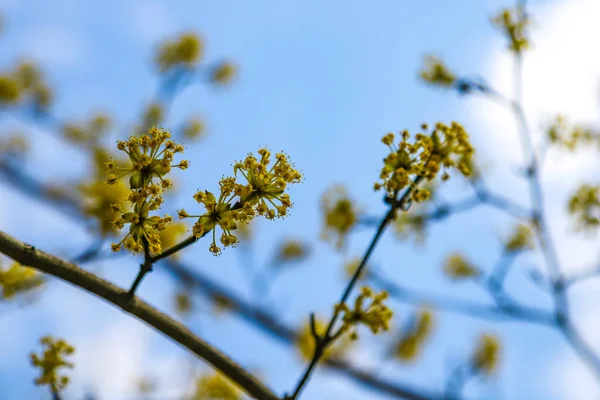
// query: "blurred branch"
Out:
[498,312]
[30,256]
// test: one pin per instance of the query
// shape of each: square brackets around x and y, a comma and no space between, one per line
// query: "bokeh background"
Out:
[322,81]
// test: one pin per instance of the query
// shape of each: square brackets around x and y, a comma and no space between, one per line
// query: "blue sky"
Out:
[323,82]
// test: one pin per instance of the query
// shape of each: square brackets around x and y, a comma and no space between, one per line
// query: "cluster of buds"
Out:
[375,315]
[412,339]
[262,194]
[50,361]
[151,159]
[446,146]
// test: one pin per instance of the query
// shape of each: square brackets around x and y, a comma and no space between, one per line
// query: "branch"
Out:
[30,256]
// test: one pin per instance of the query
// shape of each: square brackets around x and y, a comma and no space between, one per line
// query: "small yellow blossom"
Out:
[291,250]
[151,156]
[375,315]
[562,133]
[216,387]
[487,354]
[445,147]
[457,267]
[193,128]
[183,302]
[352,265]
[184,50]
[411,341]
[584,206]
[520,239]
[50,361]
[143,229]
[305,342]
[339,214]
[9,90]
[153,115]
[18,279]
[223,73]
[15,144]
[436,73]
[513,25]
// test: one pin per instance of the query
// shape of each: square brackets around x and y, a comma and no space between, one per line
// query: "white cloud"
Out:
[561,75]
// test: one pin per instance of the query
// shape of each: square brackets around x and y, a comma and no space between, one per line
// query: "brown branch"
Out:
[30,256]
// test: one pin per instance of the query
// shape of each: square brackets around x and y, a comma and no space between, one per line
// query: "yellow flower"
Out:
[9,90]
[50,361]
[15,144]
[351,266]
[216,387]
[520,239]
[88,133]
[375,315]
[223,73]
[340,214]
[143,229]
[445,147]
[487,354]
[153,115]
[193,129]
[150,156]
[411,341]
[436,73]
[513,25]
[18,279]
[584,205]
[291,250]
[184,50]
[305,342]
[457,267]
[562,133]
[266,186]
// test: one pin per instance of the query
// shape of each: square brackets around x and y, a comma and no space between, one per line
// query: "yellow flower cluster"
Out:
[184,50]
[151,156]
[15,144]
[193,129]
[153,115]
[520,239]
[562,133]
[436,73]
[340,214]
[98,197]
[513,25]
[352,265]
[216,387]
[407,224]
[375,315]
[305,342]
[223,73]
[411,341]
[261,195]
[25,82]
[18,279]
[88,133]
[584,205]
[487,354]
[446,146]
[50,361]
[292,250]
[457,267]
